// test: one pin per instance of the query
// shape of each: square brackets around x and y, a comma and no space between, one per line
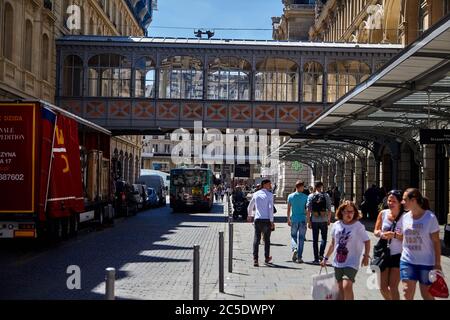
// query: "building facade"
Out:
[28,30]
[293,25]
[375,21]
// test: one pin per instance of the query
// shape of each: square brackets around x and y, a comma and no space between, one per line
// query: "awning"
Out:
[407,93]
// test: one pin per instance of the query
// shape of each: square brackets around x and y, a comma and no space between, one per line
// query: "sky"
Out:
[214,14]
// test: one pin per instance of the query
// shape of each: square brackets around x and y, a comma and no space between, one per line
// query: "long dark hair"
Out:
[398,195]
[422,201]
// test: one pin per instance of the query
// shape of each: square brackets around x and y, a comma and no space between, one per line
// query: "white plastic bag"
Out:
[324,286]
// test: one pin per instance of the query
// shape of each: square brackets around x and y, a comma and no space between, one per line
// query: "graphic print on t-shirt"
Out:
[342,251]
[413,237]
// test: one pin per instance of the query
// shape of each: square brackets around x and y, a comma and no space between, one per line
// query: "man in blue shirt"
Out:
[262,202]
[297,221]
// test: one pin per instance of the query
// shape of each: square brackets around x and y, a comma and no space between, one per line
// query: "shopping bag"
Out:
[324,286]
[438,286]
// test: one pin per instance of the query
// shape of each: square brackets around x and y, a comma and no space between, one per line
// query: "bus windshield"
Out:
[189,178]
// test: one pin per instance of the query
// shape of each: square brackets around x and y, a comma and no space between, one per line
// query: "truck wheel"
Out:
[101,217]
[74,225]
[65,222]
[56,230]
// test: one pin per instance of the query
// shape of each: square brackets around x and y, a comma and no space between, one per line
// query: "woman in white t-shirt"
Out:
[348,240]
[421,245]
[390,277]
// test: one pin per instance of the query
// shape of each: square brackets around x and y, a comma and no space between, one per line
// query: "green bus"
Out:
[191,189]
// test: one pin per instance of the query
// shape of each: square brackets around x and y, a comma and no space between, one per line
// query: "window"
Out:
[445,7]
[276,80]
[45,57]
[167,148]
[73,76]
[181,78]
[8,35]
[109,76]
[312,82]
[145,78]
[155,148]
[28,53]
[423,16]
[228,79]
[343,76]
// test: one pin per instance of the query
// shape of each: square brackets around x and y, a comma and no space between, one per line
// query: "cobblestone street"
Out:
[152,253]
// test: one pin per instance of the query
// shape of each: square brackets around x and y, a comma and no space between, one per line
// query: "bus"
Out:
[191,188]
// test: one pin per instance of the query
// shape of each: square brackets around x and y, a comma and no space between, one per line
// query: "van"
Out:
[157,183]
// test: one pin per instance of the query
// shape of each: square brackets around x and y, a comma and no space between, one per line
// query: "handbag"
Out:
[382,252]
[438,287]
[324,286]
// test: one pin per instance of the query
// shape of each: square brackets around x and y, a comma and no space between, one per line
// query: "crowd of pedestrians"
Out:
[405,226]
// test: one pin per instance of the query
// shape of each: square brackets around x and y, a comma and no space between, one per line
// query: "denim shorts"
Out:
[415,272]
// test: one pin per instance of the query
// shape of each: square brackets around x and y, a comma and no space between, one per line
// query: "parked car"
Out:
[157,183]
[136,197]
[152,198]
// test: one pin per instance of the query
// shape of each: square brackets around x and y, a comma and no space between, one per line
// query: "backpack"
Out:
[319,202]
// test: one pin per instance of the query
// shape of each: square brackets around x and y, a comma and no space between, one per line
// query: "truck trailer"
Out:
[54,171]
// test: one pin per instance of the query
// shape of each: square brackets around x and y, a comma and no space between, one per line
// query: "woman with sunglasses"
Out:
[348,240]
[421,245]
[384,229]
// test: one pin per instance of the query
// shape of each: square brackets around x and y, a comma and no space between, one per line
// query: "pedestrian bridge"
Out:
[136,85]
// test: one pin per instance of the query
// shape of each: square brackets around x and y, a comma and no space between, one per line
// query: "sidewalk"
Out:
[284,279]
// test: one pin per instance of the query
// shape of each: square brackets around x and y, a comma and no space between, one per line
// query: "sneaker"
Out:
[300,260]
[268,260]
[255,263]
[317,262]
[294,256]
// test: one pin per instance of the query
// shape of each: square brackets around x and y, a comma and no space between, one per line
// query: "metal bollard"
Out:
[221,262]
[110,279]
[196,289]
[230,247]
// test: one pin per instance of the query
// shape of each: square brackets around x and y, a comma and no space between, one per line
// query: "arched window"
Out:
[228,79]
[121,165]
[91,26]
[28,53]
[181,77]
[126,166]
[131,168]
[109,76]
[73,76]
[276,79]
[8,35]
[312,82]
[137,166]
[343,76]
[45,57]
[145,78]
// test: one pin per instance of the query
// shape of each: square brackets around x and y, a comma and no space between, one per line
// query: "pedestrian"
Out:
[421,245]
[318,216]
[222,194]
[387,231]
[262,201]
[336,198]
[297,203]
[348,240]
[371,201]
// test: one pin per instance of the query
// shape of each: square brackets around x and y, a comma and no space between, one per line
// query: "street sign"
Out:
[435,136]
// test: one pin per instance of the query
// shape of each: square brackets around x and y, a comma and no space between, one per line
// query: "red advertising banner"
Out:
[17,157]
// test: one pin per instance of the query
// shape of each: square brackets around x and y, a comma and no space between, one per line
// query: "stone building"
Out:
[293,25]
[28,62]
